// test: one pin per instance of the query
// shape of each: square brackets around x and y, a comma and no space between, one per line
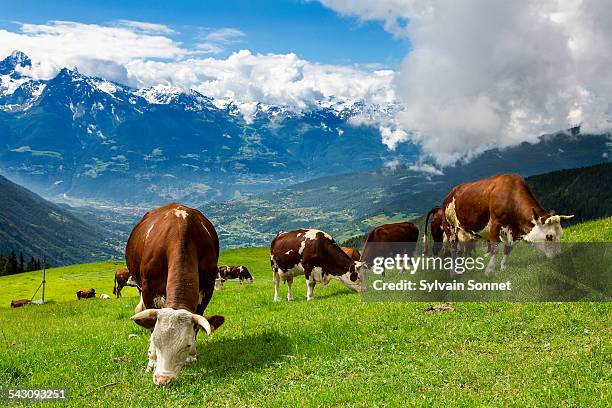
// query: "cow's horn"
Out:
[566,217]
[145,314]
[202,322]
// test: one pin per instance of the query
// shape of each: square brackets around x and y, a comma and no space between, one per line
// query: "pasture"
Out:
[333,351]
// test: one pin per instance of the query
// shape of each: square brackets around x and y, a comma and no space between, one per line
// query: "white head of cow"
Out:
[352,279]
[546,233]
[172,339]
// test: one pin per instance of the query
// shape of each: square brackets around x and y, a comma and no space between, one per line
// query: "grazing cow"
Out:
[86,293]
[20,302]
[172,254]
[123,278]
[437,232]
[401,232]
[235,272]
[316,255]
[353,253]
[500,208]
[104,296]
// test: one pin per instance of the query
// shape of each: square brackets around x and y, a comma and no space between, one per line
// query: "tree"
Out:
[21,266]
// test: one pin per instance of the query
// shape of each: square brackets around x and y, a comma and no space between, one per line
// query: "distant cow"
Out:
[20,302]
[235,272]
[500,208]
[172,254]
[123,278]
[86,293]
[353,253]
[404,233]
[437,232]
[316,255]
[104,296]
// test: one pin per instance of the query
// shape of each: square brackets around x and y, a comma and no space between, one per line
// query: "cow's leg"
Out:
[504,262]
[276,282]
[152,356]
[310,285]
[494,237]
[289,292]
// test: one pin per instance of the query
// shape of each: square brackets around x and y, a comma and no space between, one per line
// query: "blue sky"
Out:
[308,29]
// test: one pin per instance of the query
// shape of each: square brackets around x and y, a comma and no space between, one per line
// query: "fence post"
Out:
[44,278]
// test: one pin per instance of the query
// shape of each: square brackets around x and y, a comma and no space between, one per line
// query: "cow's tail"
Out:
[115,285]
[425,239]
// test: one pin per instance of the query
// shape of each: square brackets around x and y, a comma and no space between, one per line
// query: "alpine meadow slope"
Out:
[39,228]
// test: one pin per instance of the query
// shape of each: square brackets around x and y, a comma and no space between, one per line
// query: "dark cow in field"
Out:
[316,255]
[437,231]
[123,278]
[500,208]
[20,302]
[353,253]
[235,272]
[404,233]
[172,255]
[86,293]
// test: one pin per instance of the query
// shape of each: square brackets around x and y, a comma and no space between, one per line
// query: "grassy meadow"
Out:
[334,351]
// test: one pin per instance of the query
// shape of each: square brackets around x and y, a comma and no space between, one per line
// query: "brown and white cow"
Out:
[86,293]
[316,255]
[400,232]
[123,278]
[353,253]
[20,302]
[172,255]
[500,208]
[437,231]
[235,272]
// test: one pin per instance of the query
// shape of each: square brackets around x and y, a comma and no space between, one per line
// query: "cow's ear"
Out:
[147,318]
[215,321]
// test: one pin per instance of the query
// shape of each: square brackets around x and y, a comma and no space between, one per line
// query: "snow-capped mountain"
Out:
[80,137]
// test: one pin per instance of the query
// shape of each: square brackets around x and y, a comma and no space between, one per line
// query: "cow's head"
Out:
[546,232]
[352,279]
[173,338]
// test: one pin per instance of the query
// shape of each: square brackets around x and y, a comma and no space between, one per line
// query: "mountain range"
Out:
[82,139]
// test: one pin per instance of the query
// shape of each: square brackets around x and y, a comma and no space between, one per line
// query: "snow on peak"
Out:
[160,94]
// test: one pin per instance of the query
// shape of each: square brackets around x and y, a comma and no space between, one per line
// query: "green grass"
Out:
[591,231]
[334,351]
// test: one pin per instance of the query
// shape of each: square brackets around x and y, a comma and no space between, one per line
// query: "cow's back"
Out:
[470,206]
[153,244]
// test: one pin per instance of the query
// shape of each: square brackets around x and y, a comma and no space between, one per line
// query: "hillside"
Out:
[39,228]
[585,192]
[351,204]
[385,353]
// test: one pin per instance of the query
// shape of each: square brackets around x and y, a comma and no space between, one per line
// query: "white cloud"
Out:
[225,35]
[147,27]
[279,79]
[495,73]
[94,49]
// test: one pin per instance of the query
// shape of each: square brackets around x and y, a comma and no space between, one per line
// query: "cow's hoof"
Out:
[276,299]
[290,299]
[310,299]
[489,272]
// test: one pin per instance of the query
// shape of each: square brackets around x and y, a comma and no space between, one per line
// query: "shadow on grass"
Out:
[234,356]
